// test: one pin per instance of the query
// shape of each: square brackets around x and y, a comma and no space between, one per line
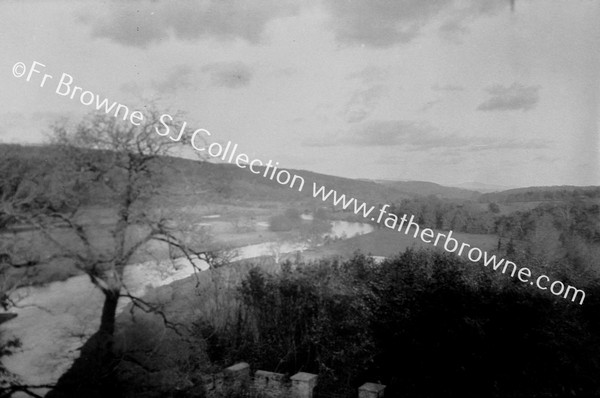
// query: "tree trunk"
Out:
[109,312]
[92,375]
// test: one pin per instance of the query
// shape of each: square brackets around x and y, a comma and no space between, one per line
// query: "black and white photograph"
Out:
[299,198]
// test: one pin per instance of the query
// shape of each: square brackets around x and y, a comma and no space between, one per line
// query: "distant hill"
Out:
[537,194]
[231,182]
[203,181]
[424,188]
[481,187]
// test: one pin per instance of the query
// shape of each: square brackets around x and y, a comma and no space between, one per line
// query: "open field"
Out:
[386,243]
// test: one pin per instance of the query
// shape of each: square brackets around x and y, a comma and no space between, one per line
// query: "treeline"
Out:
[425,324]
[574,218]
[539,194]
[563,238]
[444,214]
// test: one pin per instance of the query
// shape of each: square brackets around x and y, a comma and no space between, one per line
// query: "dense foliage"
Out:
[540,194]
[425,324]
[457,215]
[563,238]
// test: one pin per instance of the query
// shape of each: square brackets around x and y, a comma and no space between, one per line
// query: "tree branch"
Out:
[7,392]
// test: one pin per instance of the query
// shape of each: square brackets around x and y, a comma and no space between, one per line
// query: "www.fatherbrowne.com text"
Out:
[65,87]
[406,225]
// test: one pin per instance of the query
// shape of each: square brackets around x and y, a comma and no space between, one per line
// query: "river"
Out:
[56,319]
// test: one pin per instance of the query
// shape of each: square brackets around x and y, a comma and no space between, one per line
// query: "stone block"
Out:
[371,390]
[303,385]
[270,384]
[237,377]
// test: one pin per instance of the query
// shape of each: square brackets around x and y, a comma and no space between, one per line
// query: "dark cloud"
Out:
[513,98]
[185,77]
[180,77]
[383,23]
[365,99]
[230,75]
[453,30]
[397,132]
[140,23]
[456,23]
[362,103]
[377,23]
[418,136]
[381,133]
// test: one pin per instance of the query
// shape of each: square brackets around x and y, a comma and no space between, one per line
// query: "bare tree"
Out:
[20,191]
[124,167]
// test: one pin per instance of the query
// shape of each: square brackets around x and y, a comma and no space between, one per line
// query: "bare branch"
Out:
[151,309]
[7,392]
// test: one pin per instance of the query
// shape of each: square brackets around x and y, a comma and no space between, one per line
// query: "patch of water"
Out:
[345,229]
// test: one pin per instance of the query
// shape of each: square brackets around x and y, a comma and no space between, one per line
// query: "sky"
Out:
[448,91]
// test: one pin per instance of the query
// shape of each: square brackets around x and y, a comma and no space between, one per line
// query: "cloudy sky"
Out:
[447,91]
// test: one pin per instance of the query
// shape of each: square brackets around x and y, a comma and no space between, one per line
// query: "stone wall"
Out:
[270,384]
[237,378]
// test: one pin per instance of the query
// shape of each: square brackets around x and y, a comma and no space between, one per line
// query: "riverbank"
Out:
[55,319]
